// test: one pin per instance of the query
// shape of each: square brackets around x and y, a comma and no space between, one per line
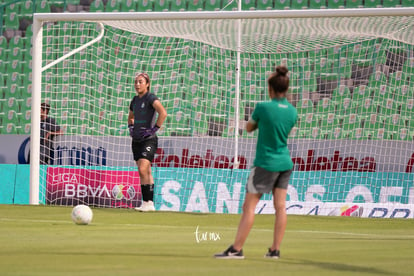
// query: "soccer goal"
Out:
[351,77]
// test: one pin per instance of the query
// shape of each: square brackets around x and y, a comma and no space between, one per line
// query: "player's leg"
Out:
[279,203]
[145,153]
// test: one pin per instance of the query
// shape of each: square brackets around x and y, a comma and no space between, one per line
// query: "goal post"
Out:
[351,74]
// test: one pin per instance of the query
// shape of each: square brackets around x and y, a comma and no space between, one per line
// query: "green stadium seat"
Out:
[340,93]
[346,106]
[230,5]
[366,107]
[248,5]
[360,92]
[388,106]
[193,5]
[212,5]
[11,21]
[329,121]
[113,6]
[145,5]
[43,6]
[10,128]
[336,4]
[26,9]
[407,3]
[308,121]
[181,5]
[161,6]
[298,4]
[353,4]
[393,123]
[128,6]
[403,134]
[323,65]
[3,42]
[304,106]
[403,93]
[408,66]
[199,123]
[336,133]
[343,67]
[97,6]
[308,81]
[350,122]
[357,134]
[267,5]
[391,3]
[373,4]
[373,122]
[407,109]
[317,4]
[179,123]
[398,78]
[382,92]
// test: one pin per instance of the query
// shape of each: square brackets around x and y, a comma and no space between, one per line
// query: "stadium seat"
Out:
[199,123]
[179,123]
[248,5]
[181,5]
[267,4]
[304,106]
[113,6]
[340,93]
[366,107]
[382,92]
[352,4]
[336,4]
[388,106]
[360,92]
[212,5]
[97,6]
[393,122]
[11,21]
[298,4]
[391,3]
[373,122]
[350,122]
[346,106]
[308,121]
[343,67]
[403,134]
[372,4]
[161,6]
[128,6]
[26,9]
[193,5]
[357,134]
[407,3]
[317,4]
[398,78]
[377,79]
[309,81]
[329,121]
[402,94]
[323,65]
[43,6]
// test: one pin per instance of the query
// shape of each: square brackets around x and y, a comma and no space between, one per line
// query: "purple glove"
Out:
[131,130]
[147,132]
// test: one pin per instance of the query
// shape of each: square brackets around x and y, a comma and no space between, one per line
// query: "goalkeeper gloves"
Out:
[131,130]
[147,132]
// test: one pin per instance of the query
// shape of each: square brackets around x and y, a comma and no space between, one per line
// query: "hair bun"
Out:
[281,70]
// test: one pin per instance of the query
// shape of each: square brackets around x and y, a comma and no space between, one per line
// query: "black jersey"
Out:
[144,112]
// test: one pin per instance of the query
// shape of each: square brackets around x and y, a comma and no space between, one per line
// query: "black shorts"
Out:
[145,148]
[262,181]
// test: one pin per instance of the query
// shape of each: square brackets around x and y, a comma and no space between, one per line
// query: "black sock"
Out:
[147,192]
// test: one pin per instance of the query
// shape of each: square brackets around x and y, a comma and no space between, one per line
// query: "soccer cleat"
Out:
[146,206]
[230,253]
[273,254]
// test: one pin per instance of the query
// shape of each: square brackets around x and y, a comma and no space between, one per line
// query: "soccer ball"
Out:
[82,214]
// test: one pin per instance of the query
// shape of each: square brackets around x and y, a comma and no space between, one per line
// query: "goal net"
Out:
[351,80]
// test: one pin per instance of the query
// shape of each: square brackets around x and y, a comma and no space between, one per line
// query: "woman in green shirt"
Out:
[272,165]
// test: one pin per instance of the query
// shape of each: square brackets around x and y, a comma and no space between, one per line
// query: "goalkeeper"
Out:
[143,124]
[272,165]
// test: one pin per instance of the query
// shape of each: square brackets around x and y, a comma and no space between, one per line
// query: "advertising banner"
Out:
[94,187]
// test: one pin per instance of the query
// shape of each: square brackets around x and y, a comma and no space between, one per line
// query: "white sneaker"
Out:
[146,206]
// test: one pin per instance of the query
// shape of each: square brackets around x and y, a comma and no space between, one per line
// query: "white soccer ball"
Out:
[82,214]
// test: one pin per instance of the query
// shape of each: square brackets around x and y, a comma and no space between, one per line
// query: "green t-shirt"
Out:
[274,119]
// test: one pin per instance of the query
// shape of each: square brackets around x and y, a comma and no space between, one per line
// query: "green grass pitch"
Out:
[42,240]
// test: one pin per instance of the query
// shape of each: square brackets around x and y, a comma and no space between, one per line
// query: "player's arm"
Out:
[162,113]
[131,118]
[251,125]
